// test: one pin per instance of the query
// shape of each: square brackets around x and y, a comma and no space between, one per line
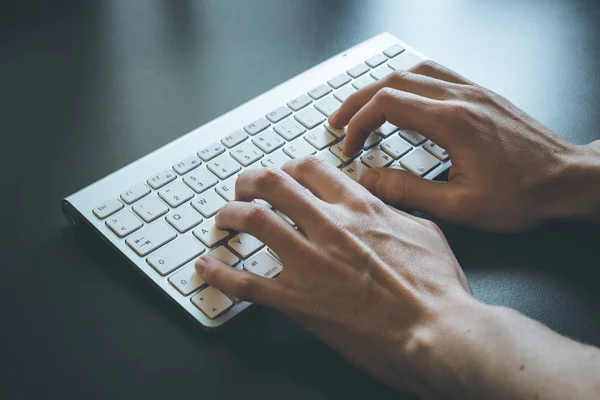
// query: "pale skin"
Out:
[382,287]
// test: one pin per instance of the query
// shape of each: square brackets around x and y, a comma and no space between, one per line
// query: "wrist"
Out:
[575,185]
[441,350]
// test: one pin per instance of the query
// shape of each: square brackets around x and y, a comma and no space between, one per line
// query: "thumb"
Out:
[241,284]
[405,190]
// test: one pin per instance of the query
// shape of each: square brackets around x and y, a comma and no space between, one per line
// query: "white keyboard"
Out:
[159,210]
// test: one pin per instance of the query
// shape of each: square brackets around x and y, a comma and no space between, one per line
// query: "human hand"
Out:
[358,274]
[508,171]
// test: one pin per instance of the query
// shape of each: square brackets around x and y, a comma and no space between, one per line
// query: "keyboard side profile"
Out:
[158,212]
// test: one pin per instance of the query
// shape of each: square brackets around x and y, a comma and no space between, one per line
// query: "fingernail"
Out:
[200,265]
[369,179]
[332,116]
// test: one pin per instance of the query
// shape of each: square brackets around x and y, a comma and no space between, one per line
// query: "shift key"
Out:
[175,254]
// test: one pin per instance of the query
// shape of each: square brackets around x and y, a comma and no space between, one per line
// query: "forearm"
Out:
[480,351]
[576,188]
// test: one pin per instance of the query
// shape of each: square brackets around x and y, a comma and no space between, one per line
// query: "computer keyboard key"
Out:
[397,165]
[371,141]
[363,81]
[404,61]
[393,51]
[107,208]
[355,170]
[320,137]
[395,147]
[175,254]
[309,117]
[338,132]
[135,193]
[257,126]
[436,150]
[275,160]
[386,130]
[328,105]
[299,148]
[339,81]
[227,188]
[263,265]
[234,138]
[150,238]
[343,93]
[212,302]
[381,72]
[319,91]
[200,180]
[209,234]
[208,203]
[150,208]
[330,158]
[357,70]
[186,165]
[175,194]
[412,137]
[222,254]
[285,217]
[244,244]
[278,114]
[376,158]
[376,60]
[210,152]
[419,162]
[184,218]
[299,102]
[263,202]
[161,179]
[123,223]
[268,141]
[246,153]
[289,129]
[272,252]
[224,166]
[338,150]
[186,280]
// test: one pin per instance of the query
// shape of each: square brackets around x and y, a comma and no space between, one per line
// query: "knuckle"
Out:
[396,77]
[431,225]
[308,164]
[267,178]
[428,66]
[385,95]
[245,288]
[255,216]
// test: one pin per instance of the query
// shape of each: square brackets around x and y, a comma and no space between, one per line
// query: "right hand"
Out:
[508,171]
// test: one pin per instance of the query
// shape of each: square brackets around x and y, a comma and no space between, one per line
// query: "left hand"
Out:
[364,277]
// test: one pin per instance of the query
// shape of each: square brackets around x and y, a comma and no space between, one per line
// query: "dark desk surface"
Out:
[89,86]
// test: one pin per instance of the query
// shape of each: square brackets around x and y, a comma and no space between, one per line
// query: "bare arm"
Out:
[489,352]
[382,287]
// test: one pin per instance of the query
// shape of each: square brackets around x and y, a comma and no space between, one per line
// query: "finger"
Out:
[242,285]
[400,108]
[283,193]
[405,81]
[321,178]
[434,70]
[406,190]
[262,223]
